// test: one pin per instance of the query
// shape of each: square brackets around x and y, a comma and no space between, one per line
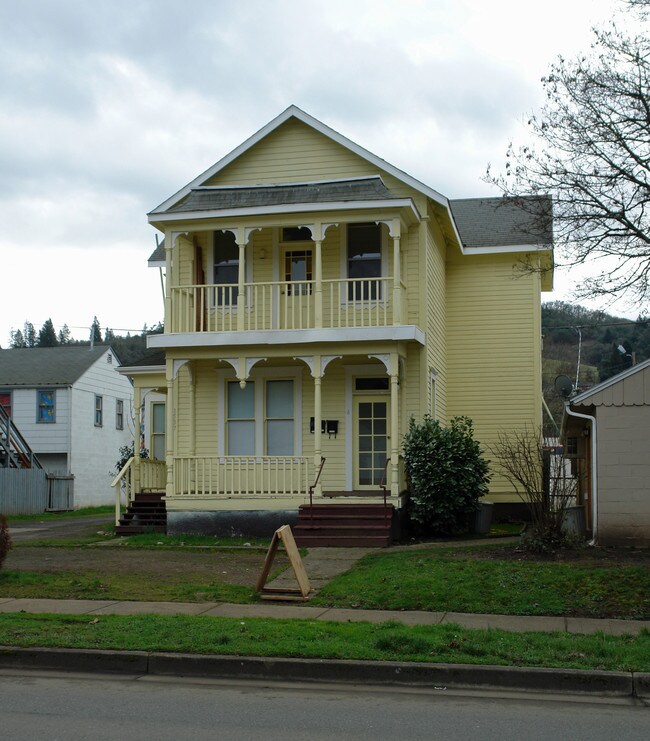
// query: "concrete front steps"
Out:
[344,525]
[147,513]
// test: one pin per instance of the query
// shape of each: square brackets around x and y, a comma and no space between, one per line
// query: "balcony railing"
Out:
[342,303]
[229,477]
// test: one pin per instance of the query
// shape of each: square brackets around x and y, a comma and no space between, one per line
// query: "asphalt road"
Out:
[74,707]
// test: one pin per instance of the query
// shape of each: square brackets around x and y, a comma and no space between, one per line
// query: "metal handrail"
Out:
[313,486]
[382,485]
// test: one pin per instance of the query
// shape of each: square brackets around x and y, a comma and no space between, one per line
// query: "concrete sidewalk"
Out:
[513,623]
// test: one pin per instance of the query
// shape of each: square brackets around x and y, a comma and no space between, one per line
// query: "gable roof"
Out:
[295,112]
[47,366]
[634,389]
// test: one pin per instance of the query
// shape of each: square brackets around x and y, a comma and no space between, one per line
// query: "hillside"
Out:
[570,330]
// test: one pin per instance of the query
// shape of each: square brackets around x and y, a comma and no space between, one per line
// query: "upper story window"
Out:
[46,405]
[119,414]
[364,261]
[99,410]
[298,268]
[226,268]
[296,234]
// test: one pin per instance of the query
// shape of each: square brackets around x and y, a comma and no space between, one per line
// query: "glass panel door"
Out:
[370,440]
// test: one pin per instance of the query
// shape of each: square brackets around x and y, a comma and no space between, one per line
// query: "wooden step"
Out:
[342,541]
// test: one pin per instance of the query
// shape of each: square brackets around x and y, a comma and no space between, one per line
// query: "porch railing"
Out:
[348,302]
[241,476]
[152,476]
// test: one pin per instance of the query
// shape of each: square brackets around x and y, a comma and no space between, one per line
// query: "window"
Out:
[241,418]
[296,234]
[158,431]
[260,417]
[226,268]
[364,261]
[371,384]
[5,401]
[279,418]
[46,406]
[99,411]
[298,267]
[119,414]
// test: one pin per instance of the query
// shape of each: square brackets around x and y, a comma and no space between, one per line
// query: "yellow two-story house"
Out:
[317,298]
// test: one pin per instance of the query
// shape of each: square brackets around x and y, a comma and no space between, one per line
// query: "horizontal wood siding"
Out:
[42,437]
[493,348]
[436,317]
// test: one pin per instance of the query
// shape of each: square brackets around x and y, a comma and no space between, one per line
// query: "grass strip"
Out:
[68,514]
[327,640]
[440,579]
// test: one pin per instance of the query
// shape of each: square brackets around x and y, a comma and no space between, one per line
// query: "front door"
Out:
[371,424]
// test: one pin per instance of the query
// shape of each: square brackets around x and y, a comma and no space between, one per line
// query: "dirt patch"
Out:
[588,555]
[241,567]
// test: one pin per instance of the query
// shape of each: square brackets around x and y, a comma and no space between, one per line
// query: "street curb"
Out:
[435,676]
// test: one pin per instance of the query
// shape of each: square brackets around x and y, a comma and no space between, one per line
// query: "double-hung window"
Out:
[364,262]
[226,268]
[260,418]
[119,414]
[99,410]
[46,406]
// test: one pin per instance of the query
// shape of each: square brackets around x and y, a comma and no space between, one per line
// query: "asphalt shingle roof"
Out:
[503,222]
[216,199]
[46,366]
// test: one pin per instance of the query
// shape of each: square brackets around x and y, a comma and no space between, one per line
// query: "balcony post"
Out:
[169,430]
[168,282]
[241,280]
[397,274]
[318,276]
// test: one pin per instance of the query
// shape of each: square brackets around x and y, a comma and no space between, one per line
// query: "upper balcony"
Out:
[288,305]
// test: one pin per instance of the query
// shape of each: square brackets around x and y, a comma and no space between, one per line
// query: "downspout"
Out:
[594,469]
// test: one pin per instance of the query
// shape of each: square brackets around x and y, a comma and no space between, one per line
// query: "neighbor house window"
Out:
[364,261]
[119,414]
[46,405]
[99,410]
[5,402]
[226,268]
[158,430]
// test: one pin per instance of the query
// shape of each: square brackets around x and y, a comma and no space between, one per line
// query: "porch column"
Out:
[137,438]
[318,415]
[192,370]
[394,424]
[397,273]
[241,279]
[169,429]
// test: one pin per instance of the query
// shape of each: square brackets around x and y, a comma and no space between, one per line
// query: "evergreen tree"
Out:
[64,337]
[95,332]
[109,335]
[47,335]
[29,335]
[17,339]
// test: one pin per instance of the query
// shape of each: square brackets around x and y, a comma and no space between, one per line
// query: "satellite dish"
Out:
[564,386]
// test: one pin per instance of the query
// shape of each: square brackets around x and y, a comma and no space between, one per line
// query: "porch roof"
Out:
[212,198]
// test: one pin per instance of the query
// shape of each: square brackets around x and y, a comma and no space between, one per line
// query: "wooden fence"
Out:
[30,491]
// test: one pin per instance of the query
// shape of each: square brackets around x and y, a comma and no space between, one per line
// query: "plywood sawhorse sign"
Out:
[285,535]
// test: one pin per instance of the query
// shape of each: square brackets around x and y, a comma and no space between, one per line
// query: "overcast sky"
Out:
[107,108]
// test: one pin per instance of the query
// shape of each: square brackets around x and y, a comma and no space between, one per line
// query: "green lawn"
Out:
[82,512]
[327,640]
[454,581]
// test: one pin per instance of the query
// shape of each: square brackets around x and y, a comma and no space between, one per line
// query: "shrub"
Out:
[5,539]
[447,475]
[126,453]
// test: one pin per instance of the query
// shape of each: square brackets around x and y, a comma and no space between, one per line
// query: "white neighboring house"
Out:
[74,409]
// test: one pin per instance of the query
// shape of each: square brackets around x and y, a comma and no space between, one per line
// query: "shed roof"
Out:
[629,388]
[47,366]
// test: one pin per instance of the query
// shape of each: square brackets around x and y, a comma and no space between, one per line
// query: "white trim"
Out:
[505,249]
[286,208]
[141,370]
[295,112]
[156,263]
[402,333]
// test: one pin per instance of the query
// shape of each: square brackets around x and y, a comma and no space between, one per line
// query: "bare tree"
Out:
[543,485]
[590,150]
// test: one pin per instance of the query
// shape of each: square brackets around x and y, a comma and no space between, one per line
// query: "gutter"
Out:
[594,469]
